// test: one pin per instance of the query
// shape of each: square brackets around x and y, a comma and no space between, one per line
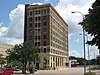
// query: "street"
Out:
[66,71]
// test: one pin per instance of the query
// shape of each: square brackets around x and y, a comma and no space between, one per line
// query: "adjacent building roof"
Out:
[4,47]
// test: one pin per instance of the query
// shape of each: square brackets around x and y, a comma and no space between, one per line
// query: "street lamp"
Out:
[88,54]
[83,41]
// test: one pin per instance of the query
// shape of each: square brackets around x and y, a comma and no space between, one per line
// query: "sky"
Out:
[12,22]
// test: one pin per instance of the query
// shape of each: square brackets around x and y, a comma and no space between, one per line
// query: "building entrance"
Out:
[37,65]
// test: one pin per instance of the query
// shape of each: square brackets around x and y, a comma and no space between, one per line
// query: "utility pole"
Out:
[83,41]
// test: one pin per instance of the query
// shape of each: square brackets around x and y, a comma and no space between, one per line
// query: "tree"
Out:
[23,52]
[2,60]
[98,60]
[72,57]
[16,63]
[79,60]
[91,24]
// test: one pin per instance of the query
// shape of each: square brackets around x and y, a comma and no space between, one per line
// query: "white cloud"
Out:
[67,6]
[16,26]
[1,24]
[13,34]
[12,41]
[47,0]
[93,51]
[16,16]
[74,53]
[39,3]
[64,8]
[77,41]
[3,31]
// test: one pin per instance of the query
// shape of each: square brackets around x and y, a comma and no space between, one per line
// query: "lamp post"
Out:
[88,54]
[83,41]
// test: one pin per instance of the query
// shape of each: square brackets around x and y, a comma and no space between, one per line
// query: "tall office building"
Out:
[45,28]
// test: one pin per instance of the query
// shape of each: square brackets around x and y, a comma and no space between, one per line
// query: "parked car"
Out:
[6,71]
[1,71]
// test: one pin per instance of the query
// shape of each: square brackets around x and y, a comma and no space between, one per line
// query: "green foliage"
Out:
[91,23]
[2,60]
[90,73]
[16,63]
[98,60]
[23,53]
[72,57]
[79,60]
[93,62]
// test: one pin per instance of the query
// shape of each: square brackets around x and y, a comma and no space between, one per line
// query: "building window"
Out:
[45,11]
[39,30]
[38,37]
[35,30]
[30,37]
[45,29]
[30,13]
[38,44]
[37,12]
[39,50]
[37,18]
[44,18]
[35,43]
[30,19]
[35,37]
[37,25]
[44,37]
[30,31]
[30,25]
[44,50]
[45,23]
[44,43]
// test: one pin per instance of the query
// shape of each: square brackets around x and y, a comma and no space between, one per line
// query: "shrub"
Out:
[90,73]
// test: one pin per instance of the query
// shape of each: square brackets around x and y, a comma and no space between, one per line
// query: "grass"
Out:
[90,73]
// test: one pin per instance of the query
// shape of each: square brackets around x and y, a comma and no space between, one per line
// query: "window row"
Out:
[60,31]
[58,26]
[57,18]
[38,37]
[57,35]
[57,41]
[39,43]
[37,12]
[57,46]
[58,52]
[44,50]
[38,30]
[38,25]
